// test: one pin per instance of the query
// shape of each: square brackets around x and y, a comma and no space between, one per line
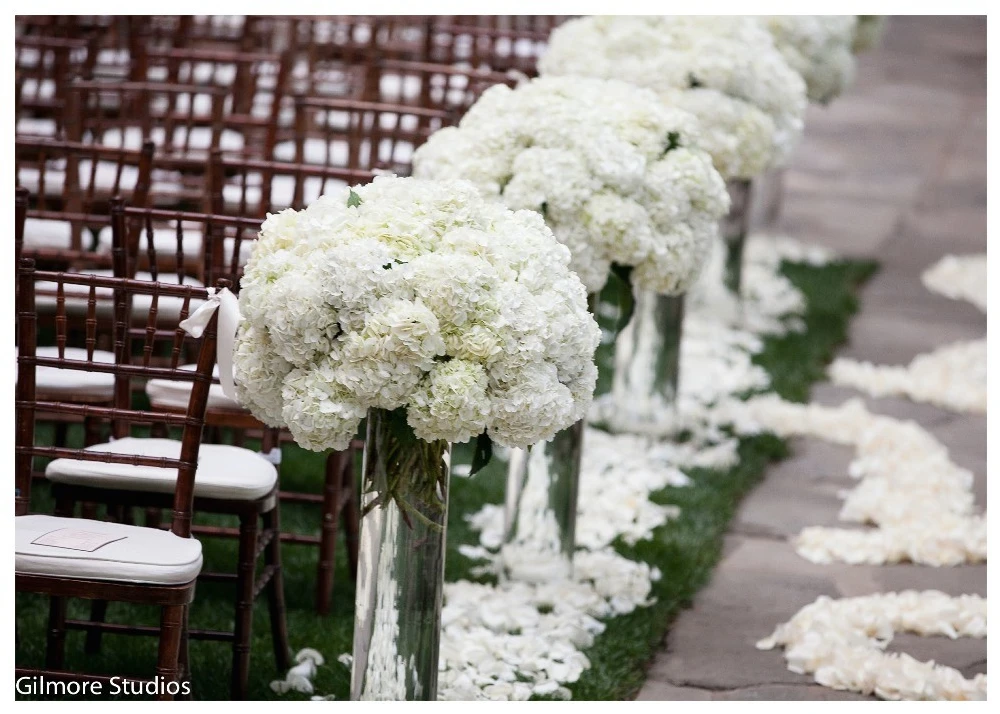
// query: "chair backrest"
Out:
[127,367]
[71,183]
[488,46]
[365,136]
[436,86]
[217,245]
[43,69]
[253,188]
[255,83]
[184,121]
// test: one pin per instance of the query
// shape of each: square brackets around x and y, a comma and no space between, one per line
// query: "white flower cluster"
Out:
[750,103]
[953,377]
[818,47]
[842,643]
[618,176]
[959,277]
[919,500]
[420,294]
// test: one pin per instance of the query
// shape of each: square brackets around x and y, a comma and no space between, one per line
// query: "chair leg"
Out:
[61,433]
[98,613]
[168,661]
[245,567]
[55,640]
[184,657]
[352,515]
[328,529]
[276,591]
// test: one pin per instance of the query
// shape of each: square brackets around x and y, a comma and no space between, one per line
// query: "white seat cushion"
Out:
[164,240]
[282,190]
[55,177]
[168,307]
[75,382]
[33,126]
[144,555]
[201,138]
[170,394]
[314,151]
[35,89]
[40,233]
[223,471]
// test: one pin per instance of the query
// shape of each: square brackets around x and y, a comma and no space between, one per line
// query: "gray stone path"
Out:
[895,169]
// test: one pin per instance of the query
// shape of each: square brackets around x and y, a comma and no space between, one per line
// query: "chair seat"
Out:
[46,233]
[31,126]
[224,471]
[200,139]
[75,384]
[171,394]
[144,555]
[165,242]
[282,191]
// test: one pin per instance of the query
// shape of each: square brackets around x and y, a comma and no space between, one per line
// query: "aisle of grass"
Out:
[685,550]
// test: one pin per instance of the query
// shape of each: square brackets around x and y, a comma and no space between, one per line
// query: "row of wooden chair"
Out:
[203,125]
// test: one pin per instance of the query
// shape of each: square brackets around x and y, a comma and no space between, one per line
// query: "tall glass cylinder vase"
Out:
[540,511]
[647,367]
[767,197]
[397,616]
[735,227]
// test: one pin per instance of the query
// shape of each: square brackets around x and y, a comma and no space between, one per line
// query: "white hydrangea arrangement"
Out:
[750,103]
[819,47]
[619,177]
[413,294]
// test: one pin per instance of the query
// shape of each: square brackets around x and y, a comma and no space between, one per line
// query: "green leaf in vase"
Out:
[620,293]
[483,453]
[353,200]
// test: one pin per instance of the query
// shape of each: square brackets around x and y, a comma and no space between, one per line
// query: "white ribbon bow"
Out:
[229,318]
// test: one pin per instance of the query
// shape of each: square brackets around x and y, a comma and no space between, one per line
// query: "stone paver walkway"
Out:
[895,169]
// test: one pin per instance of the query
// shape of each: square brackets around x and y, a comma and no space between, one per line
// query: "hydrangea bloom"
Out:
[416,294]
[726,70]
[819,47]
[618,176]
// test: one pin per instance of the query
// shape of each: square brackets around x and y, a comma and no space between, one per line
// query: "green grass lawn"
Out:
[685,549]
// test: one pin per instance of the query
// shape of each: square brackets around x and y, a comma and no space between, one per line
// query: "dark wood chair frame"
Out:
[338,500]
[172,662]
[365,129]
[438,80]
[259,522]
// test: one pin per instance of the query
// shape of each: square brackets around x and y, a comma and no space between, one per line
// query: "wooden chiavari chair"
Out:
[253,188]
[69,185]
[488,46]
[55,385]
[184,122]
[338,501]
[436,86]
[230,480]
[125,563]
[255,84]
[43,68]
[359,135]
